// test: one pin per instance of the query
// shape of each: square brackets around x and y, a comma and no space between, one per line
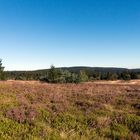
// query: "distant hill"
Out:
[98,69]
[90,69]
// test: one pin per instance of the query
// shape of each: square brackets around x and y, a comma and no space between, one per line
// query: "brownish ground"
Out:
[117,82]
[120,82]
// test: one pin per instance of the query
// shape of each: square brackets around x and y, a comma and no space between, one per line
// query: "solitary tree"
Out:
[2,75]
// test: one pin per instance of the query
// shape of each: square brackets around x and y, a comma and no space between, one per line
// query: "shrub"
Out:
[83,77]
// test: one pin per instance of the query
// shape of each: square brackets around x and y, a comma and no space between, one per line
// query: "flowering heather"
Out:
[86,111]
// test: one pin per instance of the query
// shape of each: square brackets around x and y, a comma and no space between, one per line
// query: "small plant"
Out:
[119,131]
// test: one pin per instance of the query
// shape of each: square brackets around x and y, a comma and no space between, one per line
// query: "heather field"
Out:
[86,111]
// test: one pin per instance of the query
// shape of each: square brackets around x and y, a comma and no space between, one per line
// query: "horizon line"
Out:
[74,67]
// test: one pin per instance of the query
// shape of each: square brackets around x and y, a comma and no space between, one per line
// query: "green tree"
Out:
[126,75]
[94,75]
[2,74]
[53,75]
[134,75]
[83,77]
[60,76]
[112,76]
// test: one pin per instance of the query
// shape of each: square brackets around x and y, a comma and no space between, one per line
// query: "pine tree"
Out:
[126,75]
[2,74]
[52,74]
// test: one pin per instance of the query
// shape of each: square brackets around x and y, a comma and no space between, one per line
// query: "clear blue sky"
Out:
[37,33]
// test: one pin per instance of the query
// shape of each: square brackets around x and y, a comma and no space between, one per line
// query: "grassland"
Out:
[87,111]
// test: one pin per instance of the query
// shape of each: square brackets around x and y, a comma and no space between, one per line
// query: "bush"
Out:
[83,77]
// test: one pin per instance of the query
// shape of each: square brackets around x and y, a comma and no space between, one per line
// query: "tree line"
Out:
[58,75]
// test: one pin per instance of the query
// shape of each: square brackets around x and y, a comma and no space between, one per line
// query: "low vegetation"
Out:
[86,111]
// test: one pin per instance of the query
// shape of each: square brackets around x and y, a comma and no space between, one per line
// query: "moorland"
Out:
[93,110]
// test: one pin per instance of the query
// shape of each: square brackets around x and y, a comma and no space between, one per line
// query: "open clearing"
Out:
[98,110]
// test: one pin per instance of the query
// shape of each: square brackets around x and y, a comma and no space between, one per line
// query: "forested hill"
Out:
[99,69]
[96,72]
[93,69]
[90,69]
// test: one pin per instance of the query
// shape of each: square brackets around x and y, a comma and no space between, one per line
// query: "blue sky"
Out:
[37,33]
